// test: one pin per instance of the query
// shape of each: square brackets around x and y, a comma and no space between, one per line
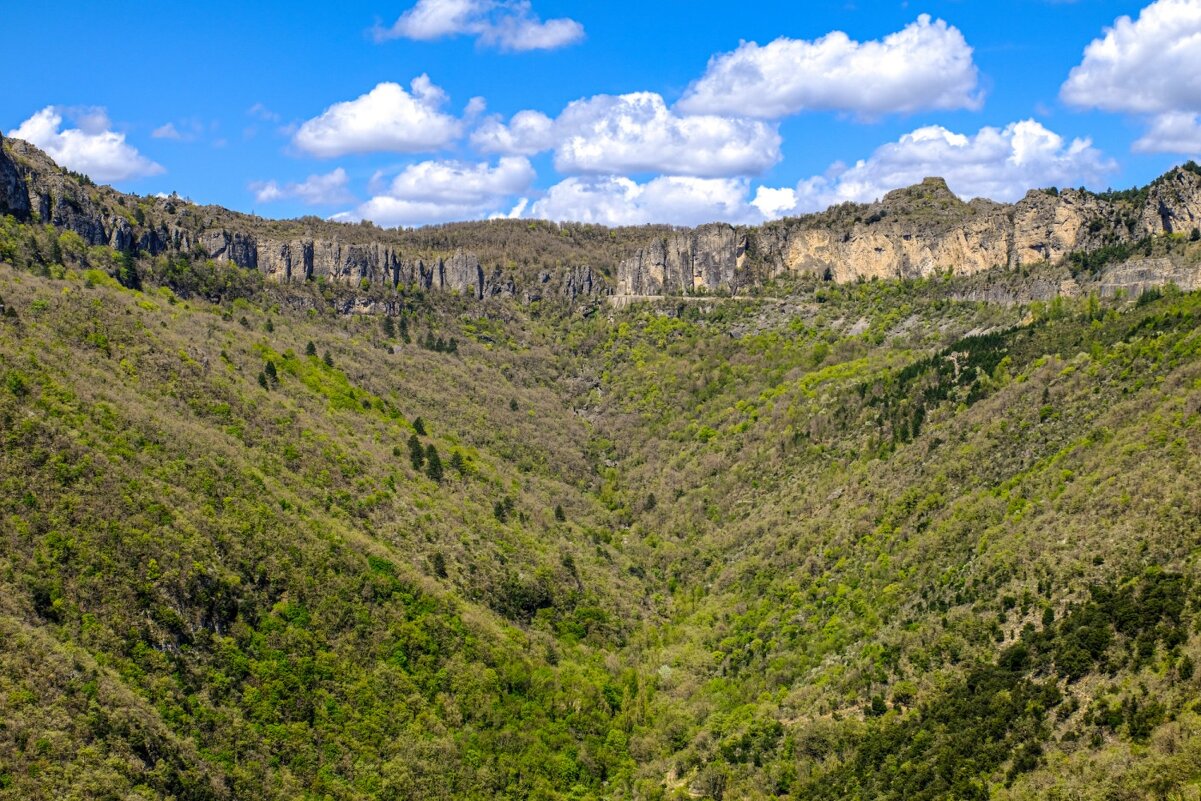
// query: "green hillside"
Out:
[834,541]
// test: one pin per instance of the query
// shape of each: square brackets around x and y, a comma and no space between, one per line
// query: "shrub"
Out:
[14,382]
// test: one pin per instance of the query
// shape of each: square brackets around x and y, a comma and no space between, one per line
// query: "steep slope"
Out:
[879,539]
[909,576]
[227,574]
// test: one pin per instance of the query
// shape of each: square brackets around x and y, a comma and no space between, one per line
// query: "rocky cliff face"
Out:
[32,187]
[709,257]
[915,232]
[14,199]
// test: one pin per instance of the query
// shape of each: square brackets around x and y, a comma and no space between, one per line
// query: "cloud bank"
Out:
[636,133]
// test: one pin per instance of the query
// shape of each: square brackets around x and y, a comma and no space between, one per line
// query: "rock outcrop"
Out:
[915,232]
[1173,204]
[32,187]
[14,199]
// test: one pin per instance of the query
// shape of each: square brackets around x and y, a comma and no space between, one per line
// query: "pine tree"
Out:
[433,467]
[310,349]
[389,328]
[127,273]
[419,426]
[416,452]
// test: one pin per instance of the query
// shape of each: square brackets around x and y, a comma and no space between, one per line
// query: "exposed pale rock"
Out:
[918,231]
[915,232]
[1173,204]
[463,274]
[1135,277]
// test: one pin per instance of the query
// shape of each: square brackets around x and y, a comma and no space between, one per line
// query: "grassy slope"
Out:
[807,542]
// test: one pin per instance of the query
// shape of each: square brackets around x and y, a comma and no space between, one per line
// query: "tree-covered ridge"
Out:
[858,541]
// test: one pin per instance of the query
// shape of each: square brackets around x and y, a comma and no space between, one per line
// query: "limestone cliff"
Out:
[32,187]
[914,232]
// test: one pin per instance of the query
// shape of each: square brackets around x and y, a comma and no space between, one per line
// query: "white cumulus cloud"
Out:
[637,133]
[509,25]
[1171,132]
[445,191]
[926,65]
[1149,65]
[386,119]
[527,133]
[997,163]
[91,148]
[316,190]
[775,202]
[615,200]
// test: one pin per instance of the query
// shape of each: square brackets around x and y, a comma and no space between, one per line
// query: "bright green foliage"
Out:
[859,541]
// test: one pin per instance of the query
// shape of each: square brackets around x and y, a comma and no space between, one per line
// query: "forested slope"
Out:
[838,541]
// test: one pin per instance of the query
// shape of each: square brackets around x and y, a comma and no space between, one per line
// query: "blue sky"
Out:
[402,112]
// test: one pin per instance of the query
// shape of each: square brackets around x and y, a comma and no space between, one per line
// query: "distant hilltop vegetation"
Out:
[1108,242]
